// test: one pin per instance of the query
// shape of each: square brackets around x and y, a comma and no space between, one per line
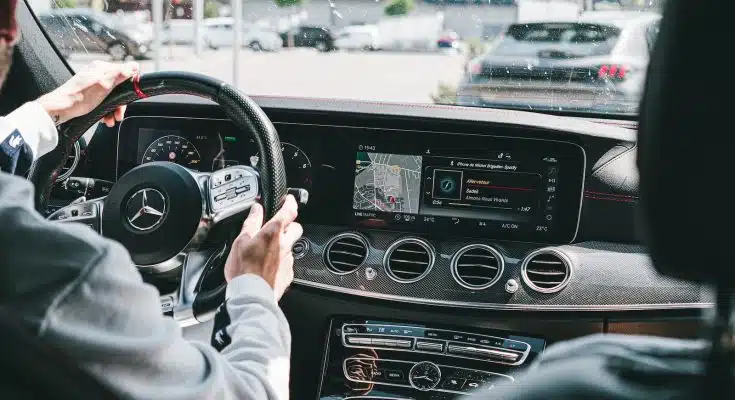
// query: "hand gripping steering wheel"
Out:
[161,211]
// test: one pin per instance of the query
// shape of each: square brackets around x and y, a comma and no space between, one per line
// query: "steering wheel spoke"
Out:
[193,271]
[231,191]
[87,212]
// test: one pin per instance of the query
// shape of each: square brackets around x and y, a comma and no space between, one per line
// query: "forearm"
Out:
[253,334]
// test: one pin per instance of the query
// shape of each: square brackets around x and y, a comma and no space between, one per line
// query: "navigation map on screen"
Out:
[387,182]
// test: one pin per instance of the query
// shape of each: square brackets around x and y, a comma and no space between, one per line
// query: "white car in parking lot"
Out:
[358,37]
[218,33]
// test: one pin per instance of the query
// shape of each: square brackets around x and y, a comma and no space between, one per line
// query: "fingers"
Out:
[109,120]
[253,222]
[287,214]
[116,116]
[292,234]
[119,113]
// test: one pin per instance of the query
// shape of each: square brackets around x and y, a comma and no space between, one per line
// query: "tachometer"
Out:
[298,165]
[175,149]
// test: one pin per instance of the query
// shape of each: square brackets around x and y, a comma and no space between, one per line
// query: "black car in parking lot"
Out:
[318,37]
[93,33]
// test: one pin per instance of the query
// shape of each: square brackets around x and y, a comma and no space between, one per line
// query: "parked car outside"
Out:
[219,33]
[358,37]
[595,63]
[178,31]
[94,32]
[448,40]
[318,37]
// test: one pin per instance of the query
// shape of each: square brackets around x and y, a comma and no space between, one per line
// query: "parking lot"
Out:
[384,76]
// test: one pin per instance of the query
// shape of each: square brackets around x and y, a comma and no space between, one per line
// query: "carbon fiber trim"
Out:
[607,276]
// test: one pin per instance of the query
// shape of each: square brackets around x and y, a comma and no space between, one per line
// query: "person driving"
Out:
[81,293]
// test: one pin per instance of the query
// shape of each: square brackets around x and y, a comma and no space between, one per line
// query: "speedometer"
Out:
[298,165]
[175,149]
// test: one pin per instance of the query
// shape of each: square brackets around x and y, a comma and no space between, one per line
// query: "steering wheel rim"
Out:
[244,112]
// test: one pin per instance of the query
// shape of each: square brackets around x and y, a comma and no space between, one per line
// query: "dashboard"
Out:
[435,239]
[481,185]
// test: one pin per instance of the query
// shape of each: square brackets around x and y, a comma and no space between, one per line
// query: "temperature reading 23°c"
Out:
[174,149]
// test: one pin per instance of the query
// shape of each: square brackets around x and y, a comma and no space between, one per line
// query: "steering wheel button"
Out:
[231,195]
[220,197]
[242,189]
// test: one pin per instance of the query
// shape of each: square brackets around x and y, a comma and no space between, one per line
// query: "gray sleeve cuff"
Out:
[252,285]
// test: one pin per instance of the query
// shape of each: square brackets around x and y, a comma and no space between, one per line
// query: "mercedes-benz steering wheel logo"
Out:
[145,209]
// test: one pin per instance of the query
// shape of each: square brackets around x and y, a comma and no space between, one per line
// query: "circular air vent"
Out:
[546,270]
[477,266]
[70,163]
[409,260]
[345,253]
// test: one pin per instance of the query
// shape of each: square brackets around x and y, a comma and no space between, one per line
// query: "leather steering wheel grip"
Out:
[242,110]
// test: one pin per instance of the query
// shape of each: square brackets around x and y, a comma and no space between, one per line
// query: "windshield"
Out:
[586,56]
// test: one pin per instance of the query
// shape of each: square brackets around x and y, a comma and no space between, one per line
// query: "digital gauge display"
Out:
[174,149]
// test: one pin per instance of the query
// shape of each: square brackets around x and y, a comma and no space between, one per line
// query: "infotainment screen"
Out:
[497,191]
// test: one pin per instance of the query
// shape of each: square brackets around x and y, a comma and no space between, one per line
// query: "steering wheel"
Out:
[161,211]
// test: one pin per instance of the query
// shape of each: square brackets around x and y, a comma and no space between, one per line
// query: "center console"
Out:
[396,360]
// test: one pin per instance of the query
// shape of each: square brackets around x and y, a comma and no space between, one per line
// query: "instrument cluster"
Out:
[205,145]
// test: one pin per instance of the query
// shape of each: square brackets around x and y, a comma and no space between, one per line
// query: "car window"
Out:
[430,51]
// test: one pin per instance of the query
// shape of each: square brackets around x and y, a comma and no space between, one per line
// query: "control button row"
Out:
[220,178]
[460,384]
[438,334]
[395,372]
[233,192]
[487,348]
[491,354]
[230,187]
[435,347]
[367,341]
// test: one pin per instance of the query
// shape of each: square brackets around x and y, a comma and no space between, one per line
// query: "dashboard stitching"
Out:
[610,199]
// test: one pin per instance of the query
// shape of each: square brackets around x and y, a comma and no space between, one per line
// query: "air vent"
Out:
[345,253]
[70,163]
[546,270]
[409,260]
[477,266]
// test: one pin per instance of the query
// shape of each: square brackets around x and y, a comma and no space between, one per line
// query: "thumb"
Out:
[253,222]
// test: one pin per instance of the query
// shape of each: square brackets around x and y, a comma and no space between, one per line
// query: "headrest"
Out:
[686,156]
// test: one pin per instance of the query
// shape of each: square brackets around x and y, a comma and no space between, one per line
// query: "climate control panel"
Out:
[409,360]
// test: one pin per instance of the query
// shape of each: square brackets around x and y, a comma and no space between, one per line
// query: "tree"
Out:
[211,9]
[286,4]
[399,7]
[65,3]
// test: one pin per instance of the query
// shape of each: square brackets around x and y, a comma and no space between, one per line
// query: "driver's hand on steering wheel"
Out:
[265,250]
[86,90]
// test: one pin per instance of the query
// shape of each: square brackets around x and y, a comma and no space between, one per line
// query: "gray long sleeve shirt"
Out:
[81,293]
